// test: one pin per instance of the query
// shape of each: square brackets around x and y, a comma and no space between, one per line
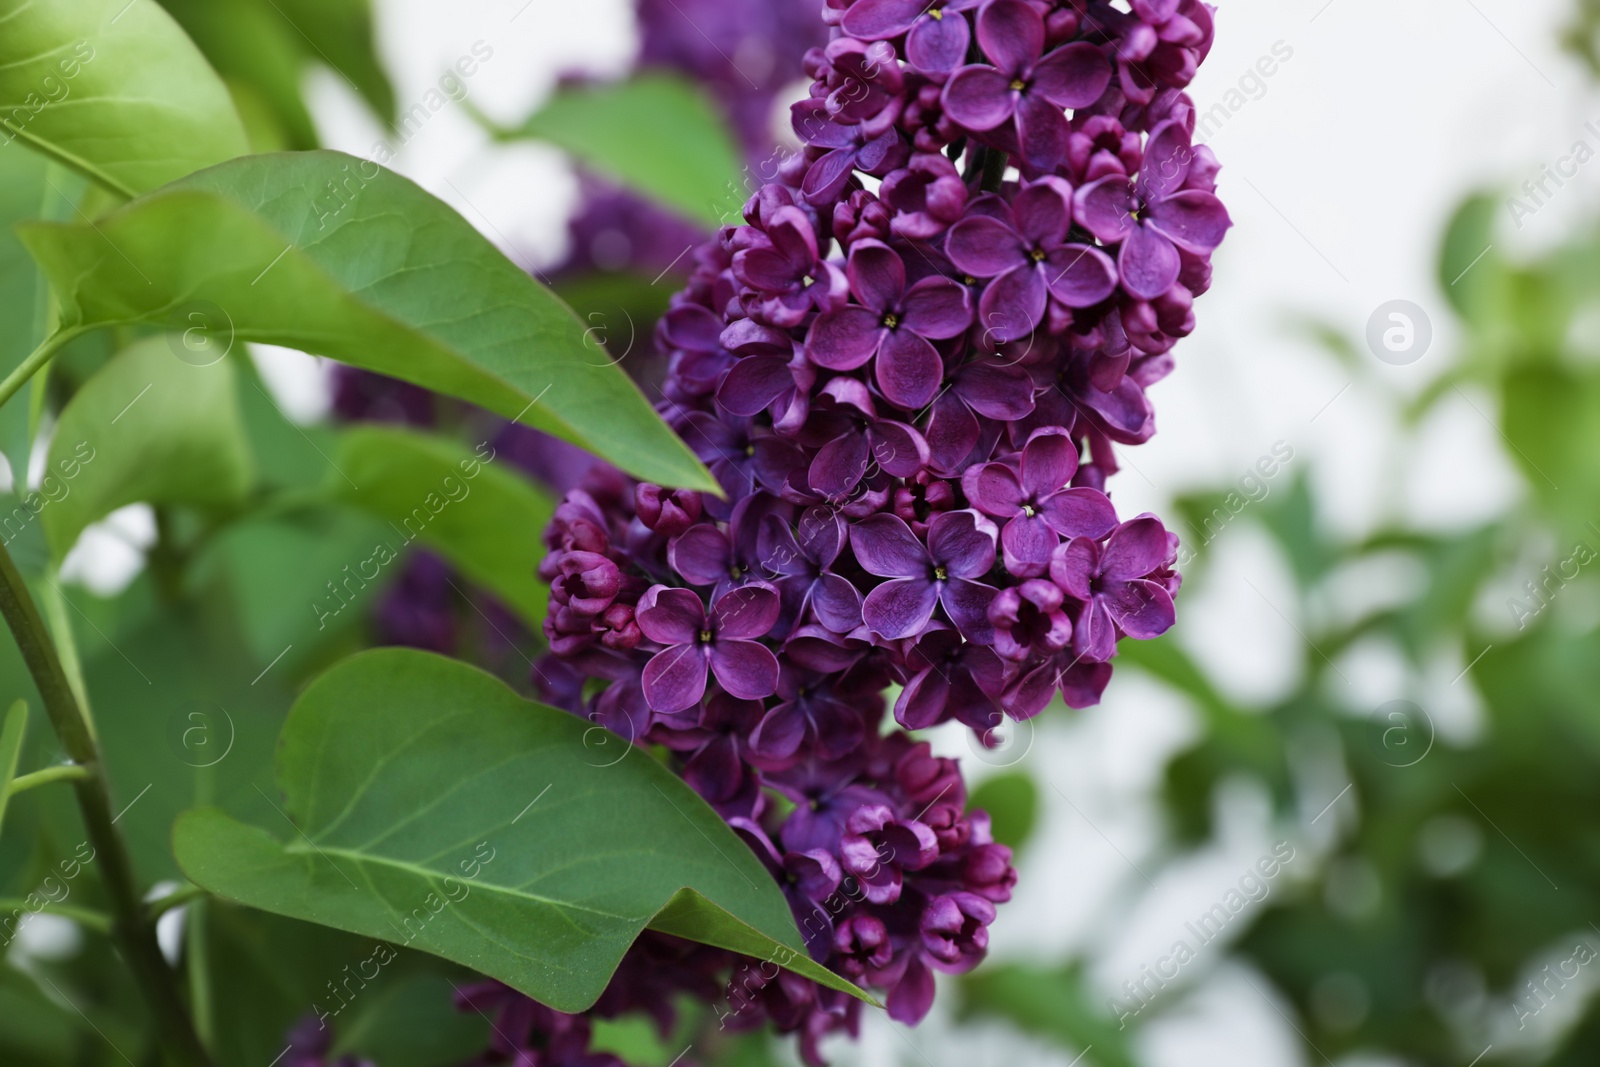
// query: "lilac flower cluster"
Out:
[907,370]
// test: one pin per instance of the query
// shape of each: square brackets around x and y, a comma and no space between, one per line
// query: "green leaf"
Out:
[114,90]
[22,197]
[1471,274]
[484,519]
[11,737]
[264,47]
[289,576]
[258,52]
[1053,1004]
[148,427]
[339,257]
[434,807]
[1012,801]
[658,134]
[340,34]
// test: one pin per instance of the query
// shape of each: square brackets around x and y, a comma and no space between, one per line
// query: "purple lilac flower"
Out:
[936,40]
[1037,502]
[1023,246]
[1114,582]
[1160,214]
[909,392]
[892,326]
[940,573]
[697,641]
[1025,84]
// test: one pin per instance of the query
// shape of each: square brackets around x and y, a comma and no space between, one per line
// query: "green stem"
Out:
[175,899]
[94,920]
[134,933]
[67,772]
[198,959]
[37,359]
[55,611]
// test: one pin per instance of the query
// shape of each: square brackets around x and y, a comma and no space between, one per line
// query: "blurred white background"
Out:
[1340,171]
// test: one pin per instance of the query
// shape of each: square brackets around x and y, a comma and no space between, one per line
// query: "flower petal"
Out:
[1167,157]
[1137,548]
[978,97]
[984,247]
[845,338]
[779,734]
[839,466]
[878,20]
[1075,75]
[1094,636]
[1049,460]
[952,432]
[672,616]
[1105,208]
[1080,512]
[884,545]
[1042,131]
[900,608]
[994,489]
[1148,263]
[996,390]
[703,555]
[745,669]
[937,308]
[1143,609]
[1026,544]
[967,604]
[821,535]
[675,679]
[1074,566]
[827,176]
[897,448]
[1194,221]
[1013,304]
[1044,212]
[754,383]
[937,44]
[877,275]
[1080,276]
[922,702]
[962,542]
[777,552]
[837,603]
[908,370]
[1011,34]
[743,613]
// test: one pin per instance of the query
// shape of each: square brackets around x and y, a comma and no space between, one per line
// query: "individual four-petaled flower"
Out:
[721,642]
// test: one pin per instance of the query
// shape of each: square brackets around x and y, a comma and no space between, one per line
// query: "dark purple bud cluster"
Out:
[907,370]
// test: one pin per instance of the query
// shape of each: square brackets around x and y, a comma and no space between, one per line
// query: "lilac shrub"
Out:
[908,369]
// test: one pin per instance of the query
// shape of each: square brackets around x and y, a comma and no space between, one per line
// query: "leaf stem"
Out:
[66,772]
[36,359]
[94,920]
[133,931]
[175,899]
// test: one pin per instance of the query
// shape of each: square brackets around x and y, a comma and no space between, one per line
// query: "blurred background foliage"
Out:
[1452,915]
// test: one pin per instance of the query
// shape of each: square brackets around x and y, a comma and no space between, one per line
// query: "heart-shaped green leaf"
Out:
[12,735]
[147,427]
[658,134]
[484,519]
[339,257]
[114,90]
[431,806]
